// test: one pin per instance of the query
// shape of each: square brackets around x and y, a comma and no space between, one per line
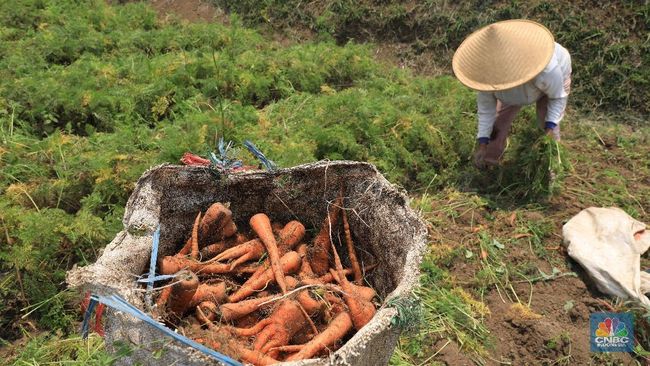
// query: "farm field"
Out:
[93,94]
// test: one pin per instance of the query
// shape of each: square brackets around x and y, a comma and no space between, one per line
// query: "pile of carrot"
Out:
[269,293]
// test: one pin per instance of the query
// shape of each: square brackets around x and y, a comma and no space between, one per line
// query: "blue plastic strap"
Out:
[119,304]
[269,164]
[89,312]
[155,279]
[154,259]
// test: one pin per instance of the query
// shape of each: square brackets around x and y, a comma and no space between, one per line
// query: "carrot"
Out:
[364,292]
[334,332]
[292,282]
[303,296]
[206,312]
[278,329]
[237,310]
[287,319]
[247,355]
[213,215]
[352,253]
[193,242]
[361,310]
[217,223]
[329,277]
[248,251]
[255,357]
[214,293]
[289,349]
[255,329]
[260,270]
[182,292]
[261,225]
[310,305]
[305,270]
[322,242]
[173,264]
[290,263]
[161,302]
[335,303]
[211,250]
[290,235]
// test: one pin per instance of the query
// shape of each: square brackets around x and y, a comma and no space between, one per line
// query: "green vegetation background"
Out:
[92,95]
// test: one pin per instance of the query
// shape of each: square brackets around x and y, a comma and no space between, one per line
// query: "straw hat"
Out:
[503,55]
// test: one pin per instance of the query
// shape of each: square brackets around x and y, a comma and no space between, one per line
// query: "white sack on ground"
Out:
[608,243]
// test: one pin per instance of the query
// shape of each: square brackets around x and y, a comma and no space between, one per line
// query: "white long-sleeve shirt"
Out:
[549,82]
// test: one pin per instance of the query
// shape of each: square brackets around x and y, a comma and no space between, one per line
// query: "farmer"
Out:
[513,63]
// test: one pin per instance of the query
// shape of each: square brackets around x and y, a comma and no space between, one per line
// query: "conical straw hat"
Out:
[503,55]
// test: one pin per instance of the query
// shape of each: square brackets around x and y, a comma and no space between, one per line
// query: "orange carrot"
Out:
[278,329]
[248,251]
[237,310]
[161,302]
[255,329]
[182,292]
[326,278]
[310,305]
[173,264]
[217,224]
[261,269]
[334,332]
[213,215]
[321,246]
[290,235]
[352,253]
[364,292]
[287,319]
[361,310]
[290,263]
[305,270]
[206,312]
[255,357]
[261,225]
[333,306]
[211,250]
[249,356]
[214,293]
[289,349]
[303,296]
[193,242]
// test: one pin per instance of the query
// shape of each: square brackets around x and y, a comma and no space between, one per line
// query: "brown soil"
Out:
[450,354]
[546,332]
[191,10]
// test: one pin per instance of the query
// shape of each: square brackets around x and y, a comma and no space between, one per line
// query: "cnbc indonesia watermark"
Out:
[611,332]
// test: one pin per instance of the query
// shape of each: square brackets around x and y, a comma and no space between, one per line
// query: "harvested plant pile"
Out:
[267,295]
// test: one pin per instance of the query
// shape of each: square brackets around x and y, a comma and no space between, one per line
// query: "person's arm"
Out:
[487,114]
[552,84]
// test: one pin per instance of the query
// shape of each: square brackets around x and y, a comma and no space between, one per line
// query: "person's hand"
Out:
[479,156]
[549,131]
